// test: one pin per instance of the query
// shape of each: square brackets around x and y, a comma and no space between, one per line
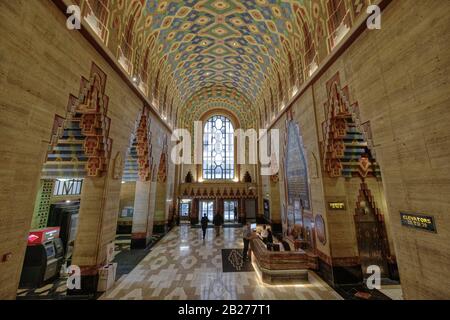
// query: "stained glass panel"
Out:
[218,149]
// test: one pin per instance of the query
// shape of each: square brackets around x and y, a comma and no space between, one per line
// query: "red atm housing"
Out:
[41,236]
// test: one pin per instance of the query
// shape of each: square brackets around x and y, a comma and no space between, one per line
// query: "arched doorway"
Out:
[75,169]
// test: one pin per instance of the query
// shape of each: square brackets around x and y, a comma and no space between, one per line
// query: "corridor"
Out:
[182,266]
[320,124]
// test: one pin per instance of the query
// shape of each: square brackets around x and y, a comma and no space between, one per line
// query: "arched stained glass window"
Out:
[218,149]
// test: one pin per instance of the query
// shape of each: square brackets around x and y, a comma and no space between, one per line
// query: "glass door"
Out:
[207,207]
[230,211]
[185,209]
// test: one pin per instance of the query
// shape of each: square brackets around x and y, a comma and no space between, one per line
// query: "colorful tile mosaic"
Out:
[259,50]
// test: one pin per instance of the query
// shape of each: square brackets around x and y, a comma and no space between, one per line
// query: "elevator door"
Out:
[370,240]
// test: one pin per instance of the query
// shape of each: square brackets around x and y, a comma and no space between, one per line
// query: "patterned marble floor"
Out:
[392,291]
[183,266]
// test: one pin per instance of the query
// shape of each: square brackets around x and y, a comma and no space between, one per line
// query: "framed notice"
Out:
[418,221]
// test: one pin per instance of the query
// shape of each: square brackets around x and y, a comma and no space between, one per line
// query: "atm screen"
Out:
[50,250]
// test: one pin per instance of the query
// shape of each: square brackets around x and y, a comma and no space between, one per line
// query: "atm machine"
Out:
[65,216]
[43,257]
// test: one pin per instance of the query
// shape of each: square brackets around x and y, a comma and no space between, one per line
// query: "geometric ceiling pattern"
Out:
[247,56]
[217,97]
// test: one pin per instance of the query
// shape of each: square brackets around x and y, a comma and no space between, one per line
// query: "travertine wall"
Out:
[127,192]
[161,204]
[41,63]
[400,77]
[304,117]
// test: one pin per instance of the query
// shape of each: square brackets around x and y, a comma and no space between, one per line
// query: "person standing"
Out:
[247,235]
[235,214]
[269,241]
[269,236]
[204,223]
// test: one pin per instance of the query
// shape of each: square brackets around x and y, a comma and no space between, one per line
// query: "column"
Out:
[151,213]
[160,222]
[96,229]
[139,238]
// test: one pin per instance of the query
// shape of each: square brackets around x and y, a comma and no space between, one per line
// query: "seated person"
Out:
[264,234]
[297,232]
[286,245]
[283,244]
[277,245]
[269,239]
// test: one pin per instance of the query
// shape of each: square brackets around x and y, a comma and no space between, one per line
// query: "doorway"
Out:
[185,211]
[230,211]
[207,207]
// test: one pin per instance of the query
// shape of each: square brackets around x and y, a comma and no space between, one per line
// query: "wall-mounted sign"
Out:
[418,221]
[336,205]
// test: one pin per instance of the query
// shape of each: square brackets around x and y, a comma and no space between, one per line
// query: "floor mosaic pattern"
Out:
[183,266]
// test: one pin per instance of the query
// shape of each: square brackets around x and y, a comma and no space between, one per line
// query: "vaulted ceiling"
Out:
[246,56]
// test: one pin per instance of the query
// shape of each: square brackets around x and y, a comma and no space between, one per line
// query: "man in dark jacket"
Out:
[204,223]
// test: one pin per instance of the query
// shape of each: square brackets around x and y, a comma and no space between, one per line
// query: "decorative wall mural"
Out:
[320,229]
[296,179]
[82,147]
[347,147]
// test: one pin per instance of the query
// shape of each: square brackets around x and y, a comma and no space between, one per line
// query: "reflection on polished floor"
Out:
[182,266]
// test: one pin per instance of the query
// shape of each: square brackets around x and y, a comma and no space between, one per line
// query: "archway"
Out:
[161,215]
[371,234]
[354,181]
[138,173]
[75,167]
